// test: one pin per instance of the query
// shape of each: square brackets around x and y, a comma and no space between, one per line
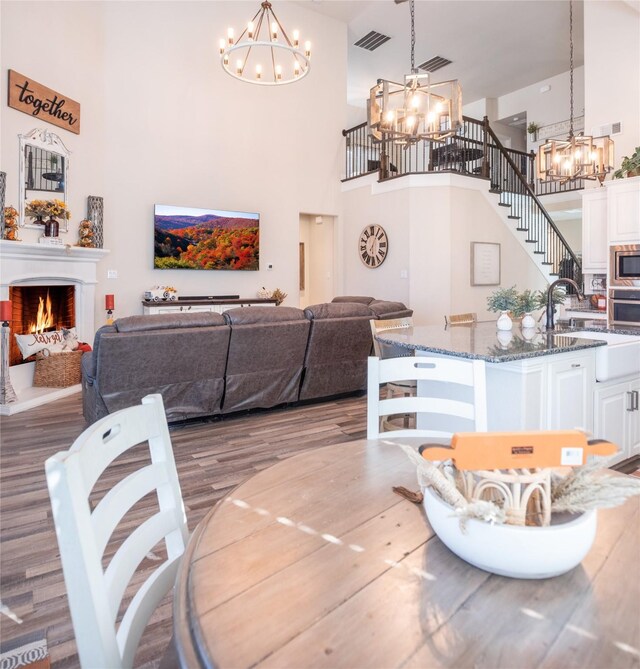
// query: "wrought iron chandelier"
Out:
[263,54]
[577,157]
[416,110]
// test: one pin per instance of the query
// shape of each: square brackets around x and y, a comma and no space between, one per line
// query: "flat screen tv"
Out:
[188,238]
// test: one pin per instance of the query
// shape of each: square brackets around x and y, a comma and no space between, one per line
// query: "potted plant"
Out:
[503,300]
[630,166]
[527,302]
[532,129]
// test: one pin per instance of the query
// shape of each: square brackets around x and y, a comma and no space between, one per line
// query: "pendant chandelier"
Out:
[264,54]
[416,110]
[577,157]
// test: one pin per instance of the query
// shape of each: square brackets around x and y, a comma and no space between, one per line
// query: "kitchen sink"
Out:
[620,357]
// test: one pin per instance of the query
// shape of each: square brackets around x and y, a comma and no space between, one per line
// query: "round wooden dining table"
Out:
[316,562]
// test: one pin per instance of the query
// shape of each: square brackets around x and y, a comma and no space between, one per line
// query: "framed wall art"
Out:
[485,264]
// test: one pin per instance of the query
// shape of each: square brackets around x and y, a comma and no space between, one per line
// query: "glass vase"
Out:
[51,227]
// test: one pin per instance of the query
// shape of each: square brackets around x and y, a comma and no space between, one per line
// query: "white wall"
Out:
[163,123]
[612,70]
[431,221]
[392,213]
[74,68]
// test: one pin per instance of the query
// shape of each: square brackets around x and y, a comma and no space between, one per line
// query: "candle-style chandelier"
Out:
[577,157]
[416,110]
[263,54]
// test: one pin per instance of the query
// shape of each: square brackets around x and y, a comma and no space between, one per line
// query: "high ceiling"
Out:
[496,46]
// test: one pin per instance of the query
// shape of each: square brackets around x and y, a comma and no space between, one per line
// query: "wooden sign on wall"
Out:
[30,97]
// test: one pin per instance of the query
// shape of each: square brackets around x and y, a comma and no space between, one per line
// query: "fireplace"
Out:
[39,309]
[30,273]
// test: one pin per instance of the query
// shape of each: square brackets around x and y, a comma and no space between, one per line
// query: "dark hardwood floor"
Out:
[212,458]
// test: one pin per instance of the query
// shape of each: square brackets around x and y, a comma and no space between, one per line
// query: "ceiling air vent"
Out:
[434,64]
[371,41]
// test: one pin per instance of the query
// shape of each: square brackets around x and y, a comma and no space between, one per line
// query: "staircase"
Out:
[506,169]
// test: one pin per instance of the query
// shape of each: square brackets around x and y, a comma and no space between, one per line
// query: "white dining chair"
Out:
[94,593]
[461,395]
[404,387]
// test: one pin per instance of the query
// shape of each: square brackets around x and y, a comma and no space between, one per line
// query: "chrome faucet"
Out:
[550,306]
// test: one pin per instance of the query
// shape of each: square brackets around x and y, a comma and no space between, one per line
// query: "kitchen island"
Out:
[535,380]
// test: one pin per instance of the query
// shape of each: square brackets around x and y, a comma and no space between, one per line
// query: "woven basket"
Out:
[57,370]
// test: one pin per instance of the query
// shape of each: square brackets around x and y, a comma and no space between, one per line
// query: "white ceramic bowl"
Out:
[509,550]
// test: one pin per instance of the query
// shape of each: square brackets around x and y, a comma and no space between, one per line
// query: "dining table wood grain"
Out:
[316,562]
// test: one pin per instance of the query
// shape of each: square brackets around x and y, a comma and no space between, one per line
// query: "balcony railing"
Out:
[472,152]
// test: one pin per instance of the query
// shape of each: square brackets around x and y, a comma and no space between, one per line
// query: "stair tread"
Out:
[531,241]
[515,218]
[523,229]
[503,204]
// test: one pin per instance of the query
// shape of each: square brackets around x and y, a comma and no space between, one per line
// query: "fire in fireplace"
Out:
[39,309]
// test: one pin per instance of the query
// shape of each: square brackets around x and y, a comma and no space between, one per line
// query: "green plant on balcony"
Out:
[532,129]
[630,166]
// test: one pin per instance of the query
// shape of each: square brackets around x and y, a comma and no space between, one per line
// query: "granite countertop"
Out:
[483,341]
[586,310]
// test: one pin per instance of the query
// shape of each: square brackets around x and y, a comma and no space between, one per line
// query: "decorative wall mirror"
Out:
[44,168]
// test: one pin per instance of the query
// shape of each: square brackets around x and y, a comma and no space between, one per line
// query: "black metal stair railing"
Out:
[474,151]
[528,212]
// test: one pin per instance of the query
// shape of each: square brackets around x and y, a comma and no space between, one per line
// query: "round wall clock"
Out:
[373,245]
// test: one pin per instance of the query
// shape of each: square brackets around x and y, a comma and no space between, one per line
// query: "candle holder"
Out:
[7,393]
[109,305]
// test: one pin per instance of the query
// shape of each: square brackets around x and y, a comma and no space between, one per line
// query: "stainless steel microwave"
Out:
[624,307]
[624,265]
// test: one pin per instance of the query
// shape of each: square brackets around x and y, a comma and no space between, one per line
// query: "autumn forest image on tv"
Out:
[188,238]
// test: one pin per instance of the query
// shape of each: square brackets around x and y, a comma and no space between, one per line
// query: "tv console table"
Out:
[202,304]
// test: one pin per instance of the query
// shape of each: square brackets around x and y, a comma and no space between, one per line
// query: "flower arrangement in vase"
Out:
[503,300]
[54,209]
[527,302]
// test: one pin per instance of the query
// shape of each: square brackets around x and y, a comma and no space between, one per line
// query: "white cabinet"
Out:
[594,230]
[551,392]
[623,210]
[617,416]
[570,392]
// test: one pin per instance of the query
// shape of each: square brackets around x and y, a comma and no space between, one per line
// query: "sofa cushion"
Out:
[266,355]
[339,345]
[199,319]
[250,315]
[384,309]
[336,310]
[360,299]
[186,365]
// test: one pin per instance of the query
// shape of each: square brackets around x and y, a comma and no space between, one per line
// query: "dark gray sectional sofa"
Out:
[204,364]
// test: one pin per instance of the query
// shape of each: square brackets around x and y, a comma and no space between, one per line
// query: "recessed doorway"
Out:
[316,259]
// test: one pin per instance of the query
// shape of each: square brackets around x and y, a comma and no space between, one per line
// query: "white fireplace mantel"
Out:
[25,264]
